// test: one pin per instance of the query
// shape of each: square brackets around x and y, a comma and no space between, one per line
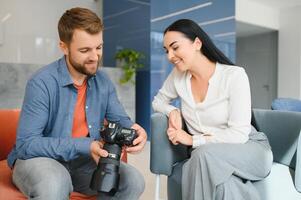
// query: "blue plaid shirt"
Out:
[45,124]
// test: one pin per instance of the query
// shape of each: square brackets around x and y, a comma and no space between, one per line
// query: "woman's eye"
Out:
[175,48]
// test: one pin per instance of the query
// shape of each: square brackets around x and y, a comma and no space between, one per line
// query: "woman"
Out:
[216,106]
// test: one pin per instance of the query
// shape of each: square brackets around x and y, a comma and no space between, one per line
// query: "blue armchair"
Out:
[281,127]
[288,104]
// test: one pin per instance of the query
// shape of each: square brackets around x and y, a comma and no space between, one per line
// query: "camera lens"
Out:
[106,177]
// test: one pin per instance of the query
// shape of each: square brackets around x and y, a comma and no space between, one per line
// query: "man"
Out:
[58,141]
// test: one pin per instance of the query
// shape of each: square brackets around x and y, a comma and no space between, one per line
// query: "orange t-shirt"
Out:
[80,126]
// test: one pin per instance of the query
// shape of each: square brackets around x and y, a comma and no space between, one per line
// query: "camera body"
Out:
[106,177]
[116,134]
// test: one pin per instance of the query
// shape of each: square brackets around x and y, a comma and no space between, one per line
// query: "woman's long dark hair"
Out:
[192,30]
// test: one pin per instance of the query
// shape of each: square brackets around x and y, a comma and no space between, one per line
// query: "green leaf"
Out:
[131,62]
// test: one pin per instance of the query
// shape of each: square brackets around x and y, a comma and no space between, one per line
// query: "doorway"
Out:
[257,53]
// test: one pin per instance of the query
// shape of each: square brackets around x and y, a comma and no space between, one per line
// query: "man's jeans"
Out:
[47,179]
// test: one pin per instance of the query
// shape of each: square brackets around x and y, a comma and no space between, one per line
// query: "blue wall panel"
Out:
[127,25]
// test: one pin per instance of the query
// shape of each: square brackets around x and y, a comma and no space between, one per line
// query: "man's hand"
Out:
[140,141]
[97,151]
[175,120]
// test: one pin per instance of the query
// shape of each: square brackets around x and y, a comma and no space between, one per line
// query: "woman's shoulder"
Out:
[231,70]
[178,75]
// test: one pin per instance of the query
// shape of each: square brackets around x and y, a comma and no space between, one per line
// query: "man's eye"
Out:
[84,50]
[100,47]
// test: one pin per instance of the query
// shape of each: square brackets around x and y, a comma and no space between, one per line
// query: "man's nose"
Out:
[94,55]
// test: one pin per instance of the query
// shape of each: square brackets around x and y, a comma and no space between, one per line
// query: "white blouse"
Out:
[224,114]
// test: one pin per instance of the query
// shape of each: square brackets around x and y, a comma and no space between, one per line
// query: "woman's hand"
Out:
[175,120]
[175,133]
[177,136]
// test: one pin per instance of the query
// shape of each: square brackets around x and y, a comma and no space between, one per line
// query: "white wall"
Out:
[289,53]
[284,17]
[30,35]
[252,12]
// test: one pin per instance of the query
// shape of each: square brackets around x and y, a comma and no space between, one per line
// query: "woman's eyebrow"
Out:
[170,44]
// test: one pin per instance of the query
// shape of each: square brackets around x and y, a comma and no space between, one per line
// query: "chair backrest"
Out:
[8,128]
[282,129]
[286,104]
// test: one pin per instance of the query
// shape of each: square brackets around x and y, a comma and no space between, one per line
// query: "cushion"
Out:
[7,189]
[8,132]
[9,192]
[279,184]
[288,104]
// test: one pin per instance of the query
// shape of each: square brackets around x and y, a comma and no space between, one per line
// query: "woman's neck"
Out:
[203,68]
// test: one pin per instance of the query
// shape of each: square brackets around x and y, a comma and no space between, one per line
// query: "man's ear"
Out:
[64,47]
[198,43]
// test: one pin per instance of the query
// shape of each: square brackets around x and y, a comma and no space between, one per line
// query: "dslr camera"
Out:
[106,176]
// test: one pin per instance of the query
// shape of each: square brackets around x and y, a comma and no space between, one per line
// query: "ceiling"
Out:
[279,4]
[245,29]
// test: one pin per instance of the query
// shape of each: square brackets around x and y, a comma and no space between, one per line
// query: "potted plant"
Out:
[128,61]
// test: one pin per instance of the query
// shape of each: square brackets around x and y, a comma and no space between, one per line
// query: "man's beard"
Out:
[81,67]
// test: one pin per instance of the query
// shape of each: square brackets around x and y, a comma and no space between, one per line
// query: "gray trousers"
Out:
[47,179]
[225,171]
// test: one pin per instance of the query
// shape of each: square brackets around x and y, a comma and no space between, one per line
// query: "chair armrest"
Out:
[283,131]
[298,166]
[163,153]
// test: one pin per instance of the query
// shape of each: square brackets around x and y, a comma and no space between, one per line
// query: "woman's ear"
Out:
[64,47]
[197,43]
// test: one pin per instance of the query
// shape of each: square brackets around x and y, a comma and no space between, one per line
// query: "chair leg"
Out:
[157,193]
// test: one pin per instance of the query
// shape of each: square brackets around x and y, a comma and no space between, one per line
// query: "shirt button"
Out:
[90,126]
[86,107]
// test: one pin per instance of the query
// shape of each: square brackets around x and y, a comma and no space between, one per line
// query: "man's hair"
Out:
[78,18]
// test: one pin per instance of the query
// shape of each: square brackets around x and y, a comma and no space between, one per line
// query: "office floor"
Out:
[141,162]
